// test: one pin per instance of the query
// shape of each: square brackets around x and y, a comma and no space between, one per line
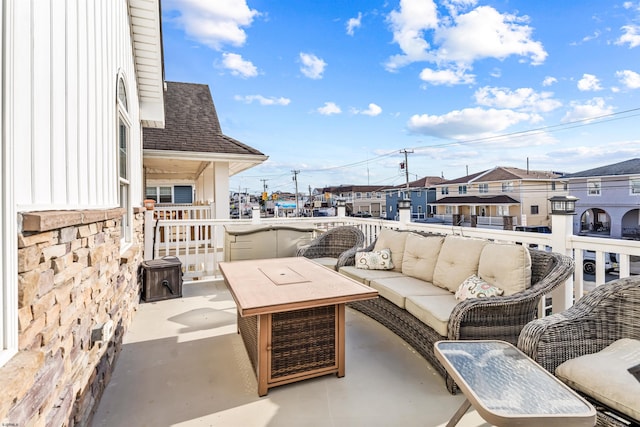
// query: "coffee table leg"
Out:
[459,413]
[340,340]
[264,350]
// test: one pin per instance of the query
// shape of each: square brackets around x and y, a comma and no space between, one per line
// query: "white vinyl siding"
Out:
[65,110]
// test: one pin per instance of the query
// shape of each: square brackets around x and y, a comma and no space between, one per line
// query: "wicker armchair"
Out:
[335,247]
[606,314]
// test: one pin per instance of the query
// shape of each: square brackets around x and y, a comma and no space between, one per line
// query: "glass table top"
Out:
[505,381]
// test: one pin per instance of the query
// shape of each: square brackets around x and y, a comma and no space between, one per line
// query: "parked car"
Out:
[589,262]
[534,228]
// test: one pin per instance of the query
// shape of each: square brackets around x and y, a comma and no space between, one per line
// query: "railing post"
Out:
[562,212]
[404,211]
[255,214]
[149,234]
[342,208]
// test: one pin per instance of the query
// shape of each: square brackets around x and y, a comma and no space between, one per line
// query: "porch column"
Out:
[221,189]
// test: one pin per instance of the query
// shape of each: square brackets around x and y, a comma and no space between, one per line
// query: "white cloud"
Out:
[263,100]
[548,81]
[238,66]
[329,109]
[590,109]
[524,99]
[589,82]
[373,110]
[446,77]
[408,25]
[354,23]
[495,35]
[631,36]
[213,23]
[629,78]
[312,66]
[467,123]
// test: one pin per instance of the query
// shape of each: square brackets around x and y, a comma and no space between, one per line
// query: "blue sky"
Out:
[338,89]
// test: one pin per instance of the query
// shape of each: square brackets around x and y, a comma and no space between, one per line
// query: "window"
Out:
[448,210]
[123,162]
[634,186]
[462,189]
[483,188]
[507,186]
[553,186]
[444,190]
[593,187]
[503,210]
[358,195]
[534,209]
[159,194]
[368,195]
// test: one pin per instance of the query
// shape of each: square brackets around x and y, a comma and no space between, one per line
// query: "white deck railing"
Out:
[199,243]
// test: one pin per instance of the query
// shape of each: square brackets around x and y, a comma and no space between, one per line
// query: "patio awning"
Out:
[477,200]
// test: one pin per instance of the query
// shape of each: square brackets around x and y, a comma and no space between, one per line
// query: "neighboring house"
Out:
[608,200]
[499,197]
[422,194]
[80,79]
[364,199]
[190,160]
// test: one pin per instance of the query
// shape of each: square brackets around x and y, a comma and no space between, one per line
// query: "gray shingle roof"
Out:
[487,200]
[191,124]
[628,167]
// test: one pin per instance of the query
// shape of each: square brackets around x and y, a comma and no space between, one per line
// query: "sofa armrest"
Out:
[503,317]
[349,257]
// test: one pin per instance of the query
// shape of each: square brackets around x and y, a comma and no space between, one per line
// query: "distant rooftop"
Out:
[628,167]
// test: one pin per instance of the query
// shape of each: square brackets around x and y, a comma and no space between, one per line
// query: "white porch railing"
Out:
[199,243]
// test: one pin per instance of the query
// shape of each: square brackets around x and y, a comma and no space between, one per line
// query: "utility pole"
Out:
[295,178]
[264,190]
[406,165]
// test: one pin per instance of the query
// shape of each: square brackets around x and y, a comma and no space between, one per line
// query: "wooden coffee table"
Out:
[507,388]
[291,316]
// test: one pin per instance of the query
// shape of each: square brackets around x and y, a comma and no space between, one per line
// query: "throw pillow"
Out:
[374,260]
[475,287]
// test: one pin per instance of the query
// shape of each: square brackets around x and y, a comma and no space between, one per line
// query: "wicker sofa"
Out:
[591,346]
[417,299]
[334,247]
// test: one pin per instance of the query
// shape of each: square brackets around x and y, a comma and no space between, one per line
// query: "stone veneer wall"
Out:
[72,279]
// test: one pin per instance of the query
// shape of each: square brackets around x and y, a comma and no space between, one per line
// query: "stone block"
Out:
[50,220]
[24,317]
[27,288]
[45,282]
[28,258]
[55,251]
[67,234]
[17,377]
[69,314]
[30,338]
[43,387]
[84,231]
[60,263]
[63,293]
[42,304]
[73,271]
[52,316]
[26,240]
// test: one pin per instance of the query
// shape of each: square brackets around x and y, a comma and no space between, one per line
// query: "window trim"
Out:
[632,180]
[597,187]
[123,119]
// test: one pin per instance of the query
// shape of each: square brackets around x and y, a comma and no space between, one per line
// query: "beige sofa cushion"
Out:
[366,276]
[393,240]
[604,376]
[420,256]
[458,259]
[397,289]
[433,310]
[507,266]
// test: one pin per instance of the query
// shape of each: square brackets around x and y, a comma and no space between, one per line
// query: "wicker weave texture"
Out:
[500,318]
[339,242]
[606,314]
[303,341]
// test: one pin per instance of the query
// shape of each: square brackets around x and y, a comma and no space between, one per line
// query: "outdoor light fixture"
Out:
[563,205]
[404,204]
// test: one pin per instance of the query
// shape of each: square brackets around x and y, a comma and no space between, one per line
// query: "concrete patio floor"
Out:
[183,364]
